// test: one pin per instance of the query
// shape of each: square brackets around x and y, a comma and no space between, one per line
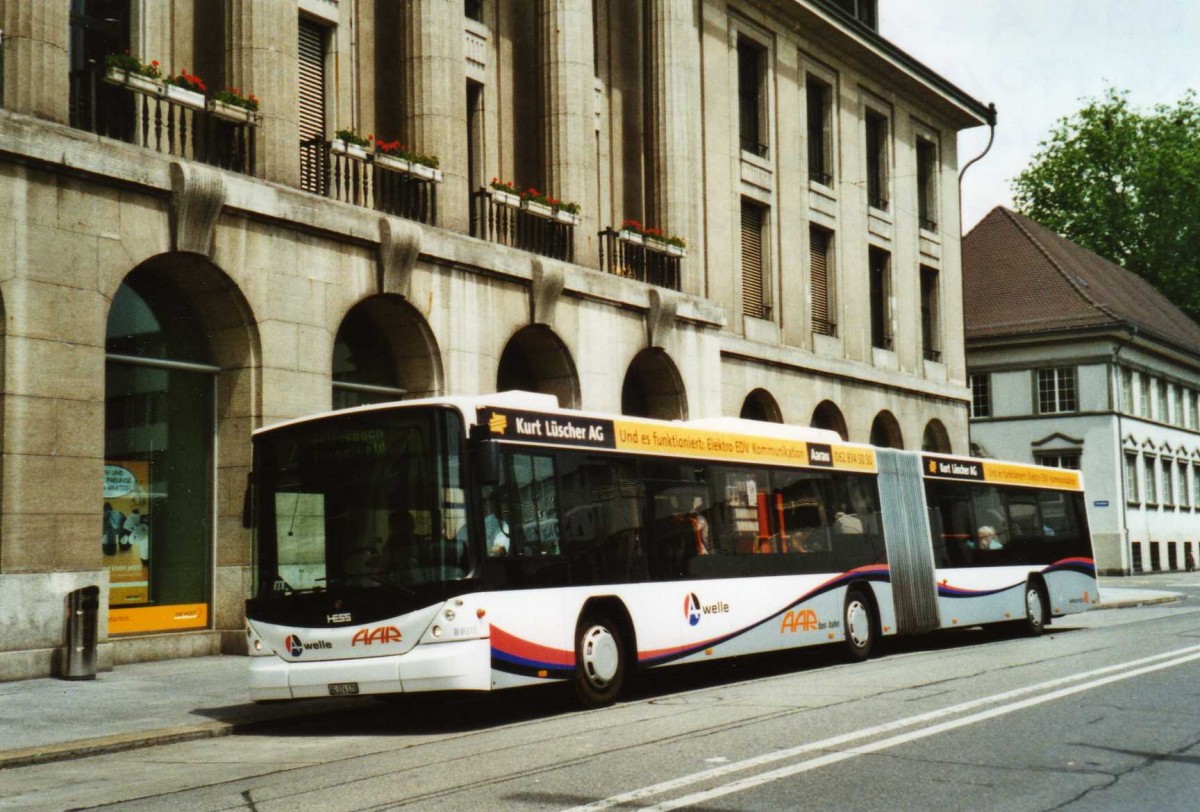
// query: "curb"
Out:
[1135,602]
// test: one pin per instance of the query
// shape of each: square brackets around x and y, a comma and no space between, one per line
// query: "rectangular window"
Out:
[1151,480]
[819,100]
[880,292]
[311,56]
[820,243]
[1177,414]
[1131,479]
[981,395]
[754,261]
[1195,485]
[1168,483]
[751,58]
[1060,459]
[877,163]
[1144,385]
[1185,493]
[1127,403]
[930,323]
[1187,409]
[1056,390]
[927,179]
[1160,402]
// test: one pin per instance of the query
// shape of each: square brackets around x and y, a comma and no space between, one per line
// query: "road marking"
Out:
[1142,665]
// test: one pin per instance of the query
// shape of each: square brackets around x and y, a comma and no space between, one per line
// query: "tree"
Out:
[1126,185]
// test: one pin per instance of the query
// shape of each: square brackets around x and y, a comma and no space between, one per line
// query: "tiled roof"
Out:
[1021,278]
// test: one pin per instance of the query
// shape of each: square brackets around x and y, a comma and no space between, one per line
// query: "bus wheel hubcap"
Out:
[600,655]
[857,624]
[1033,605]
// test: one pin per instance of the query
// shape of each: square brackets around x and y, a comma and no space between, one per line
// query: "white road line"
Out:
[898,724]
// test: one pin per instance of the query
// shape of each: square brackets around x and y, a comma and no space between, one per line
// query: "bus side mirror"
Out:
[486,459]
[248,502]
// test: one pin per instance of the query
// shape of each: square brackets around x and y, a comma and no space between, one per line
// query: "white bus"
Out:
[492,542]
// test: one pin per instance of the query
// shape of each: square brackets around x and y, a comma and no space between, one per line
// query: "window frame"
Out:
[879,276]
[824,84]
[828,327]
[931,317]
[986,379]
[1133,491]
[927,152]
[877,139]
[1059,392]
[744,39]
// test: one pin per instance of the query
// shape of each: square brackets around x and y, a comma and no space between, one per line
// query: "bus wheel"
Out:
[858,624]
[599,661]
[1035,610]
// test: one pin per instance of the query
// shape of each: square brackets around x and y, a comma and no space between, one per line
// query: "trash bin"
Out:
[83,611]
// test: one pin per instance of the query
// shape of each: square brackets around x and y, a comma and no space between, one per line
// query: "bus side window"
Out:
[535,518]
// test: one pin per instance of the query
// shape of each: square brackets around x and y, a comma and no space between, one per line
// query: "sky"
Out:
[1038,61]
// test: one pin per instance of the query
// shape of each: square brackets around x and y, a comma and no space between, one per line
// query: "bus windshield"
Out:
[361,501]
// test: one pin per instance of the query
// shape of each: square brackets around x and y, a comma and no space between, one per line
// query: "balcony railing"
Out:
[372,180]
[629,254]
[507,219]
[144,111]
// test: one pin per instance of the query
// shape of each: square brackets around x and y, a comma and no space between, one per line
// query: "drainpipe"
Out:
[962,309]
[1121,447]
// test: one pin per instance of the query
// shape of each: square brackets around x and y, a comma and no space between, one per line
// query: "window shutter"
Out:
[819,266]
[312,104]
[752,261]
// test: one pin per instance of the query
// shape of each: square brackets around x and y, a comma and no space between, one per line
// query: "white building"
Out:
[1074,361]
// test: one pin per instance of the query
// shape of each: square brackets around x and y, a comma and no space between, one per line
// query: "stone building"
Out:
[1074,361]
[177,269]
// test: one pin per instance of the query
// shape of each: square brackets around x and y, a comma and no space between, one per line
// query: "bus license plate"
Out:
[343,688]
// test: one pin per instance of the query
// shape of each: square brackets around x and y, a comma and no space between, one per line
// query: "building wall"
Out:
[271,272]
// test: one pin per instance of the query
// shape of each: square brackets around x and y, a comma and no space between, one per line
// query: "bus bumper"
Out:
[459,666]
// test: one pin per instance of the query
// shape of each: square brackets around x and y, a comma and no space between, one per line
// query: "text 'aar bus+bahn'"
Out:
[491,542]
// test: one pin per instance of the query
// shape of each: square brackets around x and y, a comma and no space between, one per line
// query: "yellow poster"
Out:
[125,536]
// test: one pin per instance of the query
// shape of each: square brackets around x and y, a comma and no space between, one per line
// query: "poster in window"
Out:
[125,535]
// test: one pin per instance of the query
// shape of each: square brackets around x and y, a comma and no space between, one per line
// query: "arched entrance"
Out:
[384,350]
[936,438]
[761,405]
[536,360]
[885,431]
[180,345]
[653,387]
[828,416]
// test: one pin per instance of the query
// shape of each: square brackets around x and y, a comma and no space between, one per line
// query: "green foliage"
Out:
[1126,185]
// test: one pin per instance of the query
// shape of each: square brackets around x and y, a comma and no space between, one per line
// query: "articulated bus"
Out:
[500,541]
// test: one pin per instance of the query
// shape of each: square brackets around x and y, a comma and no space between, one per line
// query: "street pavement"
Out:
[144,704]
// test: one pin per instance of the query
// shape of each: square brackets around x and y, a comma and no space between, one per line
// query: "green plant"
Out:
[351,137]
[234,97]
[396,149]
[131,64]
[505,186]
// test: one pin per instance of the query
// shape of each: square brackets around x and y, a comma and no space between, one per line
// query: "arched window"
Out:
[761,405]
[936,438]
[885,431]
[383,351]
[158,475]
[653,388]
[536,360]
[828,416]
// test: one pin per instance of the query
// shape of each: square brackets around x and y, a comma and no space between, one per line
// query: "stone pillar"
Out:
[435,98]
[674,178]
[261,58]
[36,60]
[568,113]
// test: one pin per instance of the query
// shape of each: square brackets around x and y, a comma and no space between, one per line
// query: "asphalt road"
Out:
[1102,714]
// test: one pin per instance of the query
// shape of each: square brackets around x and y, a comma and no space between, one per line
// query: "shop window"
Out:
[159,426]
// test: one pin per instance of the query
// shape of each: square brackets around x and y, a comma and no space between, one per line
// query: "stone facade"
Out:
[269,275]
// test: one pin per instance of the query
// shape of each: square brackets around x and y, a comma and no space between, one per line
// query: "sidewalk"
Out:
[144,704]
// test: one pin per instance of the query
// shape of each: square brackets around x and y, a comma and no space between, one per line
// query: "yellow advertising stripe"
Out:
[122,620]
[1009,474]
[679,441]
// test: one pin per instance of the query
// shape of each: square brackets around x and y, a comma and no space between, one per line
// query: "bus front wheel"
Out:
[1035,610]
[858,624]
[599,661]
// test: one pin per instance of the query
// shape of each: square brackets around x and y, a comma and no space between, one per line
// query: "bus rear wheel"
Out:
[599,661]
[858,622]
[1035,610]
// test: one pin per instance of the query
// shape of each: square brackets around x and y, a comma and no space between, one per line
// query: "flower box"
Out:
[676,250]
[392,163]
[134,81]
[539,209]
[184,97]
[427,172]
[232,112]
[630,237]
[566,217]
[340,147]
[506,199]
[656,245]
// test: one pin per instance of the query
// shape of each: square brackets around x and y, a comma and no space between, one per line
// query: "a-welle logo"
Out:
[498,424]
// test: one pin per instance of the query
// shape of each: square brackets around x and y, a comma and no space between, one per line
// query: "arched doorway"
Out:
[383,351]
[885,431]
[536,360]
[828,416]
[761,405]
[180,345]
[653,387]
[936,438]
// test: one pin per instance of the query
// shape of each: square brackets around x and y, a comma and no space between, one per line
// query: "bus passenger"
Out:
[987,538]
